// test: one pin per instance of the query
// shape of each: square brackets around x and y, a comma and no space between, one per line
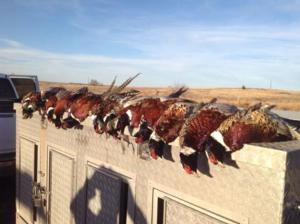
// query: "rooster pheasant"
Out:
[256,124]
[195,134]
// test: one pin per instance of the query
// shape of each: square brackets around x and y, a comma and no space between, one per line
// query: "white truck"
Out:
[12,89]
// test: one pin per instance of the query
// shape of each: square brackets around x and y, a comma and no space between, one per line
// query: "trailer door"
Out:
[61,186]
[27,175]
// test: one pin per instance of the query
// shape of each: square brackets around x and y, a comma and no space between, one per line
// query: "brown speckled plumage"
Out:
[203,122]
[149,109]
[254,126]
[196,132]
[171,121]
[199,127]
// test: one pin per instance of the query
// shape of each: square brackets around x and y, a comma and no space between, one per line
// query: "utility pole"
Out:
[270,83]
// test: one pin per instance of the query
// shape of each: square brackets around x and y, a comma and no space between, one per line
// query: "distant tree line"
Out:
[95,82]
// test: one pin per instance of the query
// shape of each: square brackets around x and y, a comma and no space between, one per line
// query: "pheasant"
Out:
[83,107]
[37,101]
[111,105]
[195,134]
[168,126]
[256,124]
[142,113]
[64,102]
[31,102]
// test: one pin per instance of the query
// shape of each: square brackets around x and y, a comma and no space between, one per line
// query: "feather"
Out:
[257,125]
[254,107]
[122,86]
[171,121]
[27,95]
[52,91]
[294,124]
[213,100]
[178,92]
[199,126]
[81,91]
[62,94]
[111,85]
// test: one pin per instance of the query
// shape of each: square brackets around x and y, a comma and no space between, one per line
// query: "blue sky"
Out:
[199,43]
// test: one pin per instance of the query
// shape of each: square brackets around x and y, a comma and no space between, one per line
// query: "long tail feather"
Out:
[126,83]
[82,90]
[268,107]
[178,92]
[52,91]
[123,85]
[254,107]
[111,85]
[295,124]
[213,100]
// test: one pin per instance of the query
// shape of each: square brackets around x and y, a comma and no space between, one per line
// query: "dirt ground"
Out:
[283,99]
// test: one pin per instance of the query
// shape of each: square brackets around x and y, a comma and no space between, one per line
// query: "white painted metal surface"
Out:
[25,176]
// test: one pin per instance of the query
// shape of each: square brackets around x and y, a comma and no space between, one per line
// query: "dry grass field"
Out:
[283,99]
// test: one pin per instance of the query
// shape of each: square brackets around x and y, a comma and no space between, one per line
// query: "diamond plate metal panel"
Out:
[61,182]
[103,197]
[26,166]
[176,213]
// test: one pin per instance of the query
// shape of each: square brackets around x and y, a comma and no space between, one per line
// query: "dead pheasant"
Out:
[82,108]
[85,106]
[64,102]
[195,134]
[168,126]
[38,101]
[142,113]
[111,105]
[256,124]
[31,102]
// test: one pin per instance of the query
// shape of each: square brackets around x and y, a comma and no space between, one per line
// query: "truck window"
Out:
[6,90]
[6,107]
[23,86]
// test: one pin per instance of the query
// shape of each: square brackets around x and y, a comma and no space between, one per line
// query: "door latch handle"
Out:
[39,195]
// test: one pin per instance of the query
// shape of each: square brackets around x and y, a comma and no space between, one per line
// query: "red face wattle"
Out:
[212,159]
[65,125]
[156,148]
[153,154]
[187,169]
[139,140]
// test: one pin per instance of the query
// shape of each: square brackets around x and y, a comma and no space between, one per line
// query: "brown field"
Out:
[283,99]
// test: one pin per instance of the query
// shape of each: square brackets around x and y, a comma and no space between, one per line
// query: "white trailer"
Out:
[77,176]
